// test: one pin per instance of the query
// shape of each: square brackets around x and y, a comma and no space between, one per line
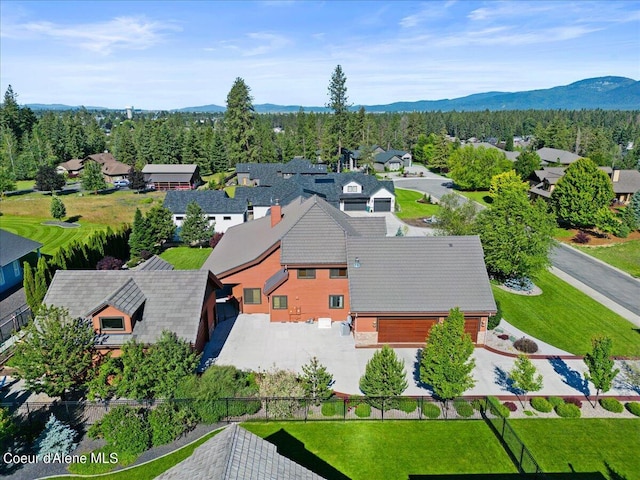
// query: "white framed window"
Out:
[16,268]
[336,301]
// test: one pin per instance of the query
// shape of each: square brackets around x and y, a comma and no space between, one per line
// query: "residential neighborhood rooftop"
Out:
[211,201]
[14,247]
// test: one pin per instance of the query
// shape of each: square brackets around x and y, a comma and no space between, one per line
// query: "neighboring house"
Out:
[112,169]
[255,174]
[154,263]
[555,156]
[222,212]
[545,181]
[391,159]
[139,304]
[71,168]
[13,248]
[625,184]
[172,177]
[387,161]
[309,260]
[237,454]
[352,191]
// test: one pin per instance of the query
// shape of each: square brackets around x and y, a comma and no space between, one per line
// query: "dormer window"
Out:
[352,189]
[111,323]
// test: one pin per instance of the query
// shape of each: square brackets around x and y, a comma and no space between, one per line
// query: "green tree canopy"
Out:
[7,181]
[48,180]
[384,376]
[58,210]
[582,196]
[456,216]
[600,364]
[472,168]
[239,124]
[195,226]
[92,178]
[524,375]
[161,226]
[316,380]
[446,363]
[141,238]
[56,352]
[527,162]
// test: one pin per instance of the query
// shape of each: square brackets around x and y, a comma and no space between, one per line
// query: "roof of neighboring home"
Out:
[211,201]
[384,157]
[115,168]
[169,168]
[72,165]
[103,158]
[311,231]
[166,307]
[13,247]
[628,182]
[510,155]
[154,263]
[303,166]
[236,454]
[554,155]
[283,191]
[418,274]
[550,174]
[400,153]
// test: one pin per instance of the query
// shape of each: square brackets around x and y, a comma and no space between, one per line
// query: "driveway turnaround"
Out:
[254,343]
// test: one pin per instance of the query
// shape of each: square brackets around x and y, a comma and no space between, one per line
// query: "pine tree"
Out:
[41,282]
[56,438]
[446,362]
[140,238]
[195,226]
[524,376]
[29,284]
[384,376]
[161,226]
[634,207]
[601,372]
[239,124]
[339,121]
[316,380]
[92,179]
[58,210]
[136,180]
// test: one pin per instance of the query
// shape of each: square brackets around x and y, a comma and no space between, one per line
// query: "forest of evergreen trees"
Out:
[31,139]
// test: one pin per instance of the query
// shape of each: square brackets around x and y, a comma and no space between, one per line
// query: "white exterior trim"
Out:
[382,193]
[222,221]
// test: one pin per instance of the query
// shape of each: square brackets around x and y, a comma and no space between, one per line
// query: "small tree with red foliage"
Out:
[215,239]
[109,263]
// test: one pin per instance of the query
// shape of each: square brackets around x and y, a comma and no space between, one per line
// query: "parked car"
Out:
[121,183]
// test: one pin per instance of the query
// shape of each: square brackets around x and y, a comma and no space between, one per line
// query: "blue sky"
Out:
[164,55]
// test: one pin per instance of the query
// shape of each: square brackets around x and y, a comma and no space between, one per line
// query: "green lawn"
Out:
[584,445]
[25,184]
[52,238]
[482,197]
[409,206]
[388,450]
[186,258]
[567,318]
[151,469]
[625,256]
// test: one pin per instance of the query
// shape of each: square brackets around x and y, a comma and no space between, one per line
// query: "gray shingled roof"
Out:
[236,454]
[629,182]
[554,155]
[169,168]
[154,263]
[13,247]
[275,280]
[384,157]
[174,298]
[303,166]
[284,191]
[211,201]
[126,298]
[418,274]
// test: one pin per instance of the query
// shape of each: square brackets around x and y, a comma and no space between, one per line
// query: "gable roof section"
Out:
[554,155]
[283,191]
[126,298]
[166,307]
[236,454]
[418,274]
[384,157]
[13,247]
[628,182]
[304,167]
[154,263]
[211,201]
[169,168]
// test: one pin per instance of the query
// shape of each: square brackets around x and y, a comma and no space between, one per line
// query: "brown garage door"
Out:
[409,330]
[471,326]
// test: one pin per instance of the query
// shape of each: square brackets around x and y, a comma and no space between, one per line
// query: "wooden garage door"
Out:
[471,326]
[409,330]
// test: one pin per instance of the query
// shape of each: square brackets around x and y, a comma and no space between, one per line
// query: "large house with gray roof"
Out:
[221,211]
[310,261]
[13,249]
[254,174]
[139,304]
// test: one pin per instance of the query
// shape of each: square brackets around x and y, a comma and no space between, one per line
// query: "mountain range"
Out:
[607,93]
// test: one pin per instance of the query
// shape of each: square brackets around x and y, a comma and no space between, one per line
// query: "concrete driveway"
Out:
[257,344]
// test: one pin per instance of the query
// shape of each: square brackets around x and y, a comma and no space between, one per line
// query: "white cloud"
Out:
[100,37]
[268,42]
[429,11]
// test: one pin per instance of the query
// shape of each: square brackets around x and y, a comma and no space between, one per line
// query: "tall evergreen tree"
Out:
[58,210]
[600,364]
[338,104]
[29,283]
[41,281]
[316,380]
[141,238]
[195,226]
[446,363]
[92,178]
[384,376]
[526,163]
[161,226]
[239,124]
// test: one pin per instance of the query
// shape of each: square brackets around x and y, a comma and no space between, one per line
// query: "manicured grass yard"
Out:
[584,445]
[389,450]
[567,318]
[482,197]
[410,208]
[186,258]
[625,256]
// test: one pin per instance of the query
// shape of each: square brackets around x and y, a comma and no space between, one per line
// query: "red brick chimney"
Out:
[276,214]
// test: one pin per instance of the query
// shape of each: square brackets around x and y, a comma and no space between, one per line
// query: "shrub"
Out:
[430,410]
[408,405]
[109,263]
[555,401]
[363,410]
[512,407]
[633,407]
[494,321]
[541,405]
[477,404]
[568,410]
[215,239]
[574,401]
[463,408]
[611,405]
[522,284]
[127,429]
[56,437]
[503,336]
[168,422]
[497,409]
[525,345]
[328,409]
[283,387]
[582,237]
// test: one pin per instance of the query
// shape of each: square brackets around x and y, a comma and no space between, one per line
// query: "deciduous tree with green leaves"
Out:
[55,353]
[58,210]
[92,179]
[526,163]
[472,168]
[195,226]
[384,376]
[445,362]
[600,364]
[316,381]
[582,196]
[7,181]
[48,180]
[456,215]
[525,377]
[239,124]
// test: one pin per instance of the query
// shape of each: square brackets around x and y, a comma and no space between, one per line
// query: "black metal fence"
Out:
[515,448]
[14,322]
[270,409]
